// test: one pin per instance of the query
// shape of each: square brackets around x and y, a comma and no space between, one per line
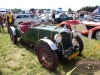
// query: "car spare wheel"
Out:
[47,57]
[97,35]
[13,37]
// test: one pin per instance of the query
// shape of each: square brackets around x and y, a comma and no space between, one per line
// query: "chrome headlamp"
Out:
[58,38]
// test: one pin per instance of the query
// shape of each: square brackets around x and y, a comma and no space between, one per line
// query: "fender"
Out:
[75,33]
[79,35]
[13,30]
[50,43]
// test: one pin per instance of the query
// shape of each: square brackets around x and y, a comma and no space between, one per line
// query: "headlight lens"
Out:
[58,38]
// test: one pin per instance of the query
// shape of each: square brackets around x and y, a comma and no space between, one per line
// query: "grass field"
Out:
[20,59]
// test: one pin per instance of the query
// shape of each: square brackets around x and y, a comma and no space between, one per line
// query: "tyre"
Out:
[47,57]
[13,37]
[97,35]
[78,41]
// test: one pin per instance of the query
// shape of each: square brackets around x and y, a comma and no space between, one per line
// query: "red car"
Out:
[83,27]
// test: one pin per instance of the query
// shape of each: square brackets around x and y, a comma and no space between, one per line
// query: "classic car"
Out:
[62,17]
[84,27]
[21,18]
[51,42]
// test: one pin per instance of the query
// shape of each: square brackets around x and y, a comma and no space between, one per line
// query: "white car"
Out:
[96,18]
[20,18]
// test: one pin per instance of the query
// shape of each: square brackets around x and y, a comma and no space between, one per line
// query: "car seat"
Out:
[24,27]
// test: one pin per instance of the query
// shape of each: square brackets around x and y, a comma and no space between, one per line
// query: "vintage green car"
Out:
[51,42]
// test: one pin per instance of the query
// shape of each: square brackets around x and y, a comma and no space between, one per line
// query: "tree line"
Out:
[87,8]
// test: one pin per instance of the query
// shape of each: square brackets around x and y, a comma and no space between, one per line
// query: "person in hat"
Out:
[10,20]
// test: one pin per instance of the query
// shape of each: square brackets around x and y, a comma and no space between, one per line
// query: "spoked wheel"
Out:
[47,57]
[13,37]
[78,43]
[97,35]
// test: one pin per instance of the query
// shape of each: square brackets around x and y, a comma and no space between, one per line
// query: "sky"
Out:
[53,4]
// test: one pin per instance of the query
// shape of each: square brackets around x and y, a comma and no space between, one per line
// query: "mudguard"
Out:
[13,30]
[50,43]
[75,33]
[80,35]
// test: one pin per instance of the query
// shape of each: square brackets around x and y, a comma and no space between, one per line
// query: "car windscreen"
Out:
[26,16]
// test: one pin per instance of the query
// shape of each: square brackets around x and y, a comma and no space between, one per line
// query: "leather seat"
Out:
[24,28]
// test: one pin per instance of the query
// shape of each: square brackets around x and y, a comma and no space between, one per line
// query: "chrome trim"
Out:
[80,35]
[76,33]
[65,29]
[13,30]
[50,43]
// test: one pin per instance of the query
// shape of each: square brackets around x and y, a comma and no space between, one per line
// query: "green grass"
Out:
[21,60]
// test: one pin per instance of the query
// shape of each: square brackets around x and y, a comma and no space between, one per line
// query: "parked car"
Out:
[21,18]
[51,42]
[61,17]
[84,27]
[96,18]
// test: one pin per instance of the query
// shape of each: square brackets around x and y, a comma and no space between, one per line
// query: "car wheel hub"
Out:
[46,58]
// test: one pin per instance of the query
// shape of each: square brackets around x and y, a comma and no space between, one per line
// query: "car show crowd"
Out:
[8,19]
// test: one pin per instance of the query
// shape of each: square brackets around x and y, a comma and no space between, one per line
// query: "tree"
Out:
[15,10]
[32,10]
[89,8]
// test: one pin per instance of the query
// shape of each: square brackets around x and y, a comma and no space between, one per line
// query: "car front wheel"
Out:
[97,35]
[47,57]
[78,42]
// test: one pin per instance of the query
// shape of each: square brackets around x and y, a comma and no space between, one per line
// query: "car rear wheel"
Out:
[13,37]
[97,35]
[47,57]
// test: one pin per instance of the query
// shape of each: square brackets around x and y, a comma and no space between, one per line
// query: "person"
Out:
[10,20]
[1,22]
[53,17]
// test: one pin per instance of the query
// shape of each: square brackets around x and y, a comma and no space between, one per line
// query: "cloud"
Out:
[65,4]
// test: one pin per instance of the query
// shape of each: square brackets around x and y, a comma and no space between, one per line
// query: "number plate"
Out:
[73,55]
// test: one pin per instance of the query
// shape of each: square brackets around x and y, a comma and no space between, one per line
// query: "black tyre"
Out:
[79,43]
[97,35]
[13,37]
[47,57]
